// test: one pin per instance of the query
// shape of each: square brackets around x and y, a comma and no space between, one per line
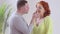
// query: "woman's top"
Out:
[43,28]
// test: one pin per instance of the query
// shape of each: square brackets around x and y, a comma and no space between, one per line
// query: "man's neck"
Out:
[20,12]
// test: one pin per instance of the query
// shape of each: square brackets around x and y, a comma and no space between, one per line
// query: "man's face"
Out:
[25,8]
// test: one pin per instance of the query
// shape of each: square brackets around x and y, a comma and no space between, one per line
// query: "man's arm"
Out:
[20,25]
[31,25]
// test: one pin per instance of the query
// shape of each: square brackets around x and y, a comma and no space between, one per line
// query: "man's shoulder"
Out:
[14,17]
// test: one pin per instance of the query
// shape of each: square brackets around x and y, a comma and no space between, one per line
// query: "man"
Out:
[17,23]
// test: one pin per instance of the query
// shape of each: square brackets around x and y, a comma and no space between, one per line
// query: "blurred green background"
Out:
[3,16]
[2,12]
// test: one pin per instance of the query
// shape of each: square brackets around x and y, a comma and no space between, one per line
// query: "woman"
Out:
[41,19]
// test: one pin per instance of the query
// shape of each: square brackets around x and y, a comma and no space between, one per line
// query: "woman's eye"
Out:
[39,7]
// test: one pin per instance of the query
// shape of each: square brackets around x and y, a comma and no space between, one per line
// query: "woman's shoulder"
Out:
[48,19]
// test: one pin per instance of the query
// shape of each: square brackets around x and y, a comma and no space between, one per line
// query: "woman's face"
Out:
[40,10]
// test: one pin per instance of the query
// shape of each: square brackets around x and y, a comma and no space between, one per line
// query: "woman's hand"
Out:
[34,17]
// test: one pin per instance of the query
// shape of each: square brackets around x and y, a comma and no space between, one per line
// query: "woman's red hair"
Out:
[46,7]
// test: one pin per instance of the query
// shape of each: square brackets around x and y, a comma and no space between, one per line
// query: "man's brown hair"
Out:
[21,3]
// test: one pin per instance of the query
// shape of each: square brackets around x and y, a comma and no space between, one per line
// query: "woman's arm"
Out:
[48,26]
